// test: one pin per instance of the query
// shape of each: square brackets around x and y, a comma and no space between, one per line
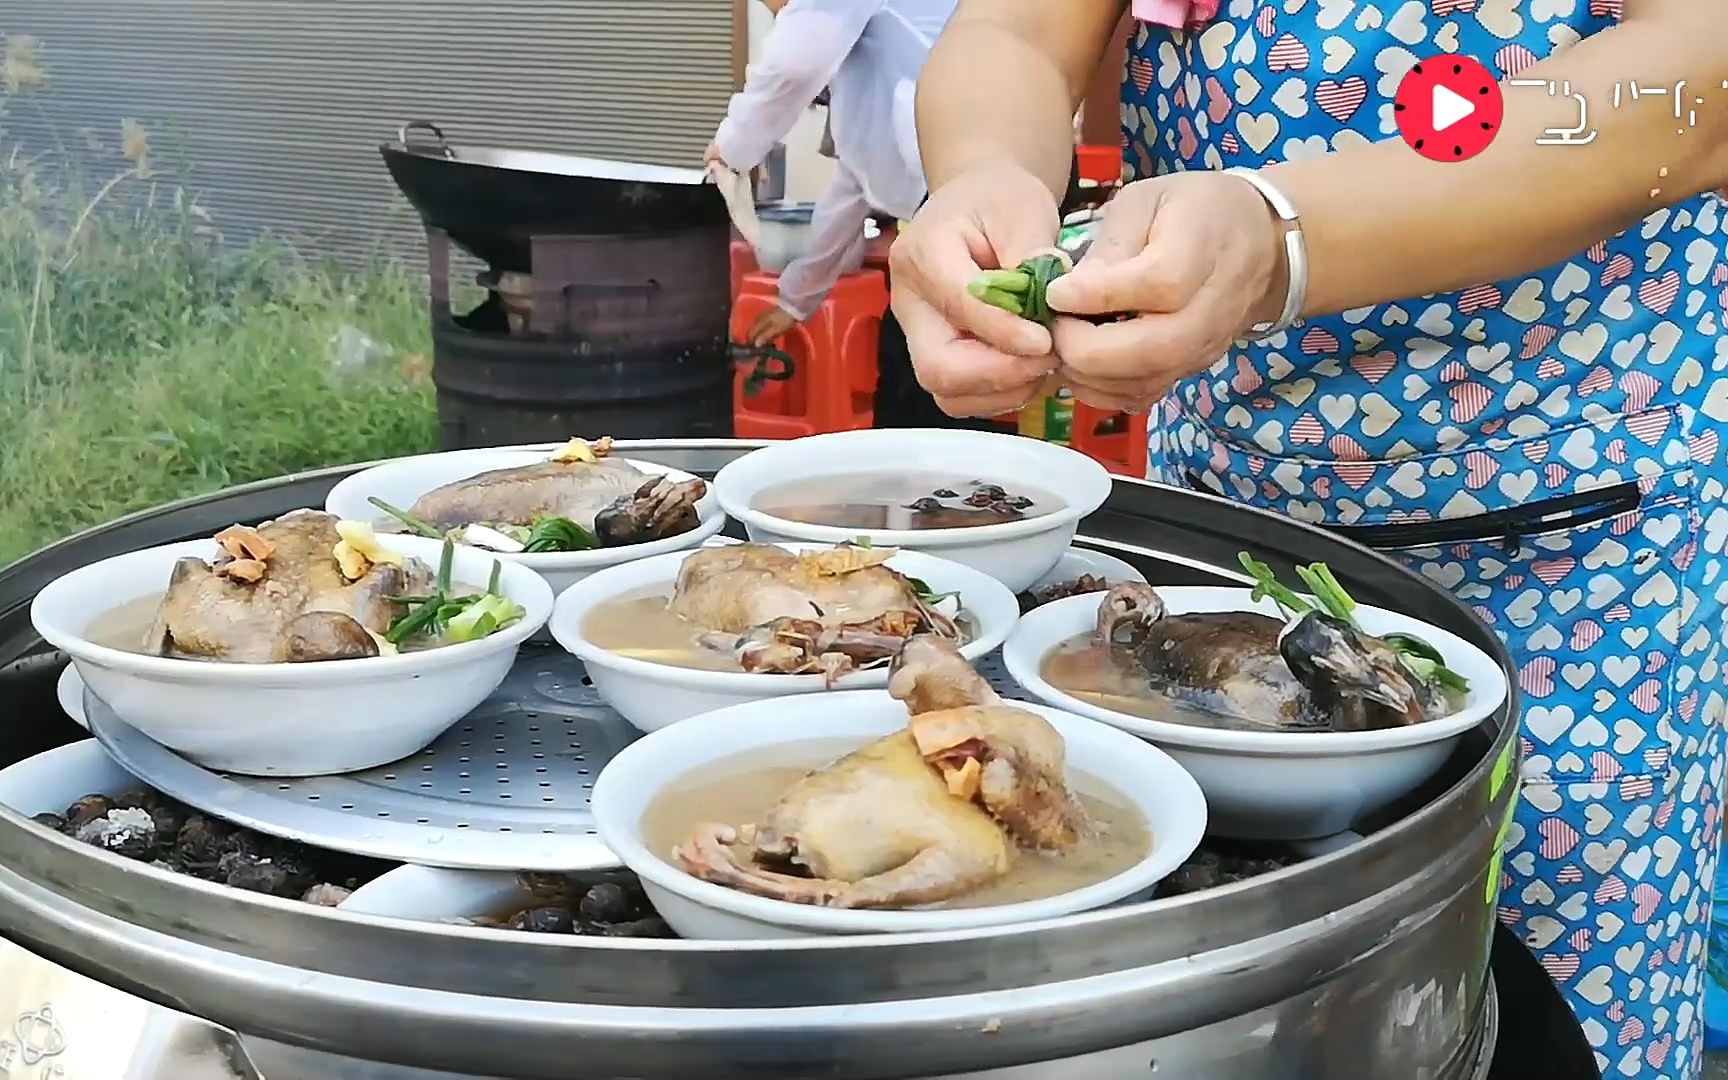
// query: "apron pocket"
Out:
[1508,526]
[1586,590]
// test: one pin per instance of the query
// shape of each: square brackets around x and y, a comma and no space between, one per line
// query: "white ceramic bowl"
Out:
[651,695]
[49,782]
[284,719]
[1077,561]
[69,692]
[404,480]
[1270,785]
[432,894]
[1168,797]
[1016,553]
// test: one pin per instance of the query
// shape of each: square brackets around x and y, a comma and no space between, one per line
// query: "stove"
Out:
[621,335]
[607,293]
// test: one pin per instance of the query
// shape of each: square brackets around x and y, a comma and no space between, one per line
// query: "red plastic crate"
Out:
[832,386]
[1113,439]
[1102,164]
[743,262]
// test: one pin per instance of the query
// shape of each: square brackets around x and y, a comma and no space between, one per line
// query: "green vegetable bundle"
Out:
[450,617]
[1020,291]
[547,534]
[558,534]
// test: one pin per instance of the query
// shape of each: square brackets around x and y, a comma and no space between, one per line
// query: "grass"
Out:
[141,361]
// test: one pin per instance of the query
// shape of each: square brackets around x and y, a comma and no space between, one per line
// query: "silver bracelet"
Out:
[1295,254]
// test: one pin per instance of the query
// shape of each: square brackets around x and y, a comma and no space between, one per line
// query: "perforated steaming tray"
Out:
[506,788]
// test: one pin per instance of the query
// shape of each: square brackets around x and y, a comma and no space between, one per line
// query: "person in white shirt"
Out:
[867,54]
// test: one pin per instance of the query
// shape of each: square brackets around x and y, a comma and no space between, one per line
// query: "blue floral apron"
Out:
[1548,447]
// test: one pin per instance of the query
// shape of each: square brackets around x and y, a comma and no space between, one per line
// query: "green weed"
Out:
[141,361]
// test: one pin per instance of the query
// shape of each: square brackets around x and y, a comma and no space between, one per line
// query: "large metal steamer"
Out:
[1371,962]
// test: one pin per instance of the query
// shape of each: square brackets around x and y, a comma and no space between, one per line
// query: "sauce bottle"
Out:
[1050,416]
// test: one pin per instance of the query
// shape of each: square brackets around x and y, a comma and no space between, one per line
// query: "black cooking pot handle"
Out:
[443,146]
[770,365]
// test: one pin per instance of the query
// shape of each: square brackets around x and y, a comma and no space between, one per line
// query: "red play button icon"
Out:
[1449,108]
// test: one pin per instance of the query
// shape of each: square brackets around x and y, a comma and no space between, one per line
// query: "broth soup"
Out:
[642,626]
[127,627]
[1110,680]
[903,501]
[1078,667]
[742,789]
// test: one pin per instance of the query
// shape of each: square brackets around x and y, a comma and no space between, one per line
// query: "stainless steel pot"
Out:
[1369,964]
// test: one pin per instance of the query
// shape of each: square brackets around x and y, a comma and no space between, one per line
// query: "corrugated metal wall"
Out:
[277,106]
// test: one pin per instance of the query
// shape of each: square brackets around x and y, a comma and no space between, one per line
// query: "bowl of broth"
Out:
[1262,782]
[1002,504]
[733,764]
[402,482]
[591,904]
[278,718]
[645,662]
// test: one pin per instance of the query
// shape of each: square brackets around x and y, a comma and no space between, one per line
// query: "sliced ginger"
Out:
[963,782]
[249,571]
[581,450]
[359,550]
[245,542]
[245,554]
[949,741]
[840,561]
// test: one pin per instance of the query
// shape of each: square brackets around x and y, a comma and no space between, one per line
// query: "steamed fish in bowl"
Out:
[1312,668]
[579,498]
[305,587]
[759,608]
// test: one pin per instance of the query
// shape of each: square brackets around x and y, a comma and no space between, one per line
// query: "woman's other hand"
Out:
[1196,258]
[974,359]
[711,156]
[770,326]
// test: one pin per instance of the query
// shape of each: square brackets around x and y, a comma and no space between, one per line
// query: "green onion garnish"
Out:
[558,534]
[1422,659]
[412,523]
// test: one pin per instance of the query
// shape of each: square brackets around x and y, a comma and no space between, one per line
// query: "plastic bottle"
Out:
[1050,417]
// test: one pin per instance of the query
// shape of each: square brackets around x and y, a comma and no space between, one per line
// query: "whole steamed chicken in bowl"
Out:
[281,593]
[303,646]
[308,587]
[931,813]
[827,611]
[1314,669]
[1300,714]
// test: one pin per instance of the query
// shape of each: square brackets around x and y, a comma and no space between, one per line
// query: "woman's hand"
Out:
[974,359]
[1196,258]
[770,326]
[711,156]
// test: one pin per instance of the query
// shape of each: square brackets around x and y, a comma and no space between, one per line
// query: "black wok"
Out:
[492,201]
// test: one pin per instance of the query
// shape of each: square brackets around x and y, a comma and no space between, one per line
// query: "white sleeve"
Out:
[809,41]
[836,246]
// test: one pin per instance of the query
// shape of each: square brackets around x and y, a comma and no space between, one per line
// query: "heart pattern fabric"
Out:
[1598,386]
